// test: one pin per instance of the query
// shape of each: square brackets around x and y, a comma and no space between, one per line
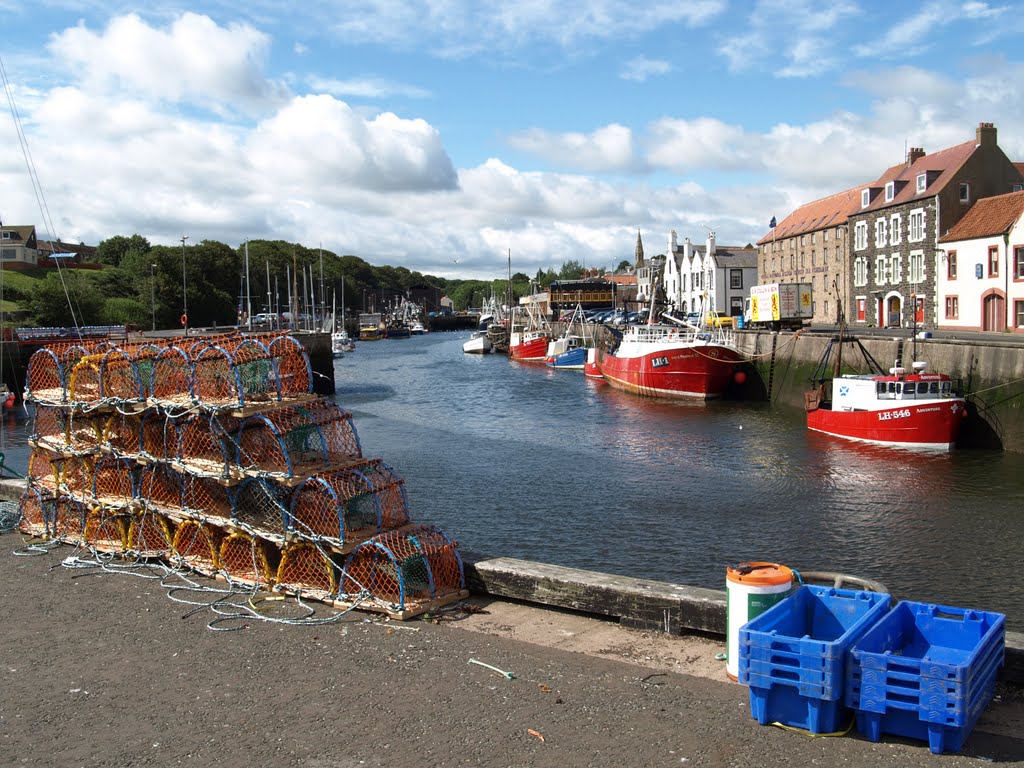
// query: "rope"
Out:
[10,514]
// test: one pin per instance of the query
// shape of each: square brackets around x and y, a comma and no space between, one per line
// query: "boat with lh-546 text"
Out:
[912,409]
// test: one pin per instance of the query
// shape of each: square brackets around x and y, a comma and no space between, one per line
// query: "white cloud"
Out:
[194,61]
[367,88]
[976,10]
[684,146]
[641,68]
[911,35]
[609,148]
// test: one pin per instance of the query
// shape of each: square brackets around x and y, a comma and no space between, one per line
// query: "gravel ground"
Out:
[102,669]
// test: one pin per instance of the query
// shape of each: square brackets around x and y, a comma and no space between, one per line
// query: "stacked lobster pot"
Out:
[214,455]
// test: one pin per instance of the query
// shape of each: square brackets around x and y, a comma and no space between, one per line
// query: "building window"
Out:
[735,278]
[1018,313]
[860,235]
[1017,187]
[952,307]
[865,198]
[8,254]
[965,192]
[916,233]
[896,269]
[862,309]
[840,233]
[895,229]
[1018,262]
[951,265]
[890,191]
[881,271]
[879,232]
[736,306]
[922,182]
[993,261]
[916,267]
[860,271]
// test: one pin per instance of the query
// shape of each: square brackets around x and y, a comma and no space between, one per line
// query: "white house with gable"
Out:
[723,273]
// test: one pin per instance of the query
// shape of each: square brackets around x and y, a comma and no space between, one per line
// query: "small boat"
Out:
[478,344]
[915,409]
[341,343]
[370,326]
[528,340]
[417,328]
[570,350]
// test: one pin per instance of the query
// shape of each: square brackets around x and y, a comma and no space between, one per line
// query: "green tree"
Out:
[571,270]
[624,266]
[118,311]
[113,250]
[73,300]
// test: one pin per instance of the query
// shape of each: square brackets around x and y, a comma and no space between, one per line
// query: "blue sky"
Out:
[441,135]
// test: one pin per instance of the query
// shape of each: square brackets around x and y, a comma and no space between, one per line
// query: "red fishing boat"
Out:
[680,360]
[528,346]
[904,409]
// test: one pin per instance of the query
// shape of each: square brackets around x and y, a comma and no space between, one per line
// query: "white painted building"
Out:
[723,273]
[980,268]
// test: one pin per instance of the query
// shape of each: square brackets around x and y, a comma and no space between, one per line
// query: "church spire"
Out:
[639,251]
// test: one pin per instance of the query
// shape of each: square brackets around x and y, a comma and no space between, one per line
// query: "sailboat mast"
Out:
[248,293]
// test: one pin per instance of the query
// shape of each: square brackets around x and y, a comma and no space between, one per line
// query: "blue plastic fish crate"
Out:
[793,655]
[926,672]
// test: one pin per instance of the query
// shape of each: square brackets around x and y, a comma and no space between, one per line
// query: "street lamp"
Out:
[152,292]
[184,290]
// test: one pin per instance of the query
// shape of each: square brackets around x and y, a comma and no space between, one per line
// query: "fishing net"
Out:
[355,502]
[256,373]
[294,376]
[401,569]
[69,520]
[306,570]
[172,378]
[84,384]
[119,377]
[48,428]
[204,497]
[216,383]
[113,482]
[143,356]
[76,477]
[122,434]
[261,506]
[149,535]
[158,437]
[282,443]
[244,559]
[197,545]
[106,530]
[44,470]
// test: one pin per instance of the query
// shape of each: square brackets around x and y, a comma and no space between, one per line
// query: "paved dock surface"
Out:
[101,669]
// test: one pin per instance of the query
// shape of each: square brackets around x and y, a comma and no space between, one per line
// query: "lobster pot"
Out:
[751,589]
[76,477]
[197,545]
[362,500]
[205,499]
[261,505]
[38,516]
[113,482]
[308,571]
[44,378]
[106,530]
[119,379]
[149,535]
[294,375]
[215,381]
[48,428]
[160,488]
[403,571]
[84,385]
[337,429]
[69,520]
[122,435]
[143,356]
[246,559]
[172,379]
[44,470]
[158,437]
[204,445]
[281,443]
[255,371]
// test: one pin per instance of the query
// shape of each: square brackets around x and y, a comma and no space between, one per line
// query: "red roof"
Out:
[939,168]
[988,216]
[829,211]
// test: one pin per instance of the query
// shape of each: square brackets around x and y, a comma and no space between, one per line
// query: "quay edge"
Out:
[656,606]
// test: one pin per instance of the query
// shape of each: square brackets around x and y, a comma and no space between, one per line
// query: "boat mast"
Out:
[248,293]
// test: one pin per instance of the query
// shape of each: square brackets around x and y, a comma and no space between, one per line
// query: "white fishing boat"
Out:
[478,344]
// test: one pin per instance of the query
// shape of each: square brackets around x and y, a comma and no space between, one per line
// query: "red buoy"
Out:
[740,377]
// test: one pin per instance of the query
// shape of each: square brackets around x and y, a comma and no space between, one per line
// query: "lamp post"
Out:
[184,290]
[152,292]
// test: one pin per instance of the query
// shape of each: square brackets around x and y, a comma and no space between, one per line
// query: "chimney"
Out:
[986,135]
[915,154]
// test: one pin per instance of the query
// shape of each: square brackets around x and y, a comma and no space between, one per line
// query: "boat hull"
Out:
[573,359]
[530,350]
[479,344]
[932,425]
[701,372]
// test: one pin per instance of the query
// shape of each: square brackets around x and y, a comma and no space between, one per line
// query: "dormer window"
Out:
[965,192]
[890,191]
[865,198]
[922,182]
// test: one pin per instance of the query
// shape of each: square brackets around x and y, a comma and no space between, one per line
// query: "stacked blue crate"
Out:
[793,656]
[926,672]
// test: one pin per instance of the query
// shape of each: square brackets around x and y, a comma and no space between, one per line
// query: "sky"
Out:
[455,136]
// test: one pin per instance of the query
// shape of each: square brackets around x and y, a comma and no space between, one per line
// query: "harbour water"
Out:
[524,461]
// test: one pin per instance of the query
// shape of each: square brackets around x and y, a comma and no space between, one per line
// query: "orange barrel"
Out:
[751,589]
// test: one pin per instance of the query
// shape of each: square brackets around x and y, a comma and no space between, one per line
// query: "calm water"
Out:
[524,461]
